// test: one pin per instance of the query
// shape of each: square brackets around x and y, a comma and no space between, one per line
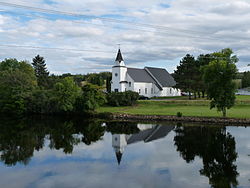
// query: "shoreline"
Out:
[184,119]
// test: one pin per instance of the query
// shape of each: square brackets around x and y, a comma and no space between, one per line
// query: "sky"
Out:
[82,36]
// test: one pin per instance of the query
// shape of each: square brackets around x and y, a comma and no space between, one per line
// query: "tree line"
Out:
[30,89]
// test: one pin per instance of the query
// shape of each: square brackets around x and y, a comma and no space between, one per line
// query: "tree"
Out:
[40,102]
[95,79]
[185,74]
[246,79]
[65,94]
[202,60]
[218,77]
[41,71]
[91,98]
[108,84]
[17,80]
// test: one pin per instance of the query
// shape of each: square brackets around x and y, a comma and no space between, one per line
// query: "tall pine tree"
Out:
[41,71]
[185,73]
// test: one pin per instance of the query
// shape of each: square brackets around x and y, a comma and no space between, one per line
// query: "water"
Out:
[52,152]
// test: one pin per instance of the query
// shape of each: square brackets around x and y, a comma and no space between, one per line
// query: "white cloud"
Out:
[191,27]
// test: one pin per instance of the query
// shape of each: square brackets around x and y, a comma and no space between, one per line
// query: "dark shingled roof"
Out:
[162,76]
[152,75]
[140,75]
[119,56]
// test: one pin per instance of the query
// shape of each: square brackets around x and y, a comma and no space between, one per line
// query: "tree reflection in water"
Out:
[20,138]
[216,147]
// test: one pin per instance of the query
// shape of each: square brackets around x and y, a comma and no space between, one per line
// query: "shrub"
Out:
[179,114]
[127,98]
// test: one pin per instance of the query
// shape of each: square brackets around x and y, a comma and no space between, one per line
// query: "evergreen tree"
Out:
[41,71]
[185,74]
[246,79]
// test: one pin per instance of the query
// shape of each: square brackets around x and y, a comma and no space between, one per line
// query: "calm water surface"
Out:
[76,153]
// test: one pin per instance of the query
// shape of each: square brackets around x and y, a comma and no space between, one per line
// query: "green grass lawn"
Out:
[186,107]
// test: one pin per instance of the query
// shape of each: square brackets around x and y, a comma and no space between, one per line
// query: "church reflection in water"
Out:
[147,133]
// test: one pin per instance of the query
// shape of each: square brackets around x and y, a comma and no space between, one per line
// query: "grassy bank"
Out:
[186,107]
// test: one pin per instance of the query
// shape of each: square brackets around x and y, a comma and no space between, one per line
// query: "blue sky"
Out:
[168,30]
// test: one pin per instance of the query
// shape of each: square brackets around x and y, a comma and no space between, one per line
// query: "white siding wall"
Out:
[140,88]
[130,80]
[167,91]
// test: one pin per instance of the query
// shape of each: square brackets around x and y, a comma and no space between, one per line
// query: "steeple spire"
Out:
[119,56]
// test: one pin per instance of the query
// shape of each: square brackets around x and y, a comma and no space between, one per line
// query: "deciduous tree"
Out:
[17,80]
[218,77]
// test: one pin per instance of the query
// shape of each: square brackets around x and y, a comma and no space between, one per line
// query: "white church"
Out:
[149,82]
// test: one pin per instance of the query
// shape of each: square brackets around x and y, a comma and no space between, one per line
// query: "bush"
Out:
[179,114]
[127,98]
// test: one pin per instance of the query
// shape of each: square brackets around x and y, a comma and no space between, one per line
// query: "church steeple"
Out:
[119,62]
[119,56]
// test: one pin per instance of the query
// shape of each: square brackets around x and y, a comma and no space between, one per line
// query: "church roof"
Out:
[162,76]
[158,76]
[119,56]
[140,75]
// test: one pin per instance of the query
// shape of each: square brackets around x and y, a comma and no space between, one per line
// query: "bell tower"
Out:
[119,72]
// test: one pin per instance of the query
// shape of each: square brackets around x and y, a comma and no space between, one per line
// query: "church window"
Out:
[139,90]
[129,84]
[116,90]
[116,74]
[146,90]
[152,90]
[125,89]
[170,90]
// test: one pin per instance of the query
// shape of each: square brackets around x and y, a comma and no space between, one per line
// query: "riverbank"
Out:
[191,110]
[186,119]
